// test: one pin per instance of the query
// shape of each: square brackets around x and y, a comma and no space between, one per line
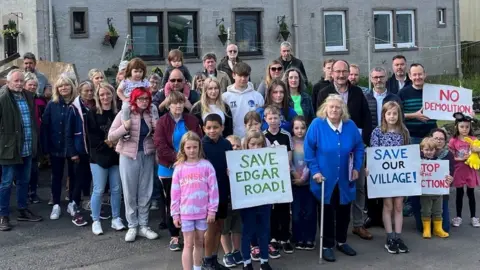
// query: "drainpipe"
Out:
[295,27]
[50,26]
[458,47]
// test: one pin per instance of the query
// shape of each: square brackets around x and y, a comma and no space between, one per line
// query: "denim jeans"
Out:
[304,215]
[100,177]
[33,178]
[21,172]
[81,178]
[256,221]
[445,215]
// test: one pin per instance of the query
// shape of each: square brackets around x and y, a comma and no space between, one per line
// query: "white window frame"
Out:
[342,48]
[441,16]
[388,45]
[412,16]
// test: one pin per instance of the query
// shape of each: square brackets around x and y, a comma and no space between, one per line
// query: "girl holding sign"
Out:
[194,198]
[392,132]
[463,175]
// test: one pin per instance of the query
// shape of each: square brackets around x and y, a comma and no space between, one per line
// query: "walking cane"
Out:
[321,222]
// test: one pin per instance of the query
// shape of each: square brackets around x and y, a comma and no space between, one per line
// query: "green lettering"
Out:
[275,186]
[265,174]
[257,188]
[244,163]
[239,177]
[256,175]
[265,187]
[272,158]
[254,161]
[248,189]
[275,173]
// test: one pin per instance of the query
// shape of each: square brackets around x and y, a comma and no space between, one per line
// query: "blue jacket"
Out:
[286,122]
[53,128]
[76,139]
[215,153]
[328,153]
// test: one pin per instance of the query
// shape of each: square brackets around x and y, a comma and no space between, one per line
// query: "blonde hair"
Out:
[93,72]
[253,135]
[63,80]
[204,98]
[322,111]
[29,76]
[268,78]
[189,136]
[234,138]
[96,97]
[399,126]
[428,143]
[195,78]
[271,109]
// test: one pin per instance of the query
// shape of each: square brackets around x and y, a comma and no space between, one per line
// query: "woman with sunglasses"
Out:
[274,71]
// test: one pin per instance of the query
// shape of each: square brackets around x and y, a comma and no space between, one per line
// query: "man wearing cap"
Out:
[211,71]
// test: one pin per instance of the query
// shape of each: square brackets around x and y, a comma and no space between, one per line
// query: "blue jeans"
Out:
[445,215]
[304,215]
[33,178]
[21,172]
[100,176]
[417,207]
[256,221]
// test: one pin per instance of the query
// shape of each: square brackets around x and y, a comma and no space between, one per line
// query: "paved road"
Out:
[61,245]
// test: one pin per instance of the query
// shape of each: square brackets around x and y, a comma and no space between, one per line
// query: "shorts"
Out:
[192,225]
[233,222]
[222,211]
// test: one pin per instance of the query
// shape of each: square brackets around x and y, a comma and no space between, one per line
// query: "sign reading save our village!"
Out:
[394,171]
[434,174]
[440,102]
[259,176]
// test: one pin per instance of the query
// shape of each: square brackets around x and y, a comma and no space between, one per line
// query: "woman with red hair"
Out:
[137,157]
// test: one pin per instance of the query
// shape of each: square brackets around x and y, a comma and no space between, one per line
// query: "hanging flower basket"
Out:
[111,37]
[285,34]
[223,35]
[283,31]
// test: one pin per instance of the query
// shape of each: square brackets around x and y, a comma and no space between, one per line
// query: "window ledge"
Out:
[163,62]
[404,49]
[78,36]
[251,57]
[336,52]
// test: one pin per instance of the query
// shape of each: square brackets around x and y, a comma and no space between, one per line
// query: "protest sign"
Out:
[440,102]
[259,176]
[433,177]
[394,171]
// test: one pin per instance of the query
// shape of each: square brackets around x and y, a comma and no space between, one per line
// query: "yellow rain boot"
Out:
[427,228]
[437,228]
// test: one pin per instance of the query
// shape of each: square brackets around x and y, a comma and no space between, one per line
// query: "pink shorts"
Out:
[191,225]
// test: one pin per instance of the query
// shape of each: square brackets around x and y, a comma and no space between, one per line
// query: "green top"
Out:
[297,104]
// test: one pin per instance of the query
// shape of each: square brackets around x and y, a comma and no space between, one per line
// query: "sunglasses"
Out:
[143,99]
[176,80]
[275,69]
[232,51]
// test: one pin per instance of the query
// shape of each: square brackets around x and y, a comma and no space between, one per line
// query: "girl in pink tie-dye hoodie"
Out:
[194,198]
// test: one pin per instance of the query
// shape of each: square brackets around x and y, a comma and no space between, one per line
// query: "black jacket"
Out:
[316,89]
[98,126]
[227,126]
[223,66]
[392,84]
[215,152]
[372,104]
[296,63]
[357,108]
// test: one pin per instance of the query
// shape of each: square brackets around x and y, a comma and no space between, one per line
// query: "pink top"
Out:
[463,175]
[194,191]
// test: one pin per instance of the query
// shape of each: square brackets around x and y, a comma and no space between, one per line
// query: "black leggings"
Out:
[471,201]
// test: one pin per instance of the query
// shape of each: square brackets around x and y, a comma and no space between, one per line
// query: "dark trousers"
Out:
[304,215]
[82,174]
[256,224]
[32,190]
[280,222]
[58,167]
[335,220]
[471,201]
[159,195]
[167,186]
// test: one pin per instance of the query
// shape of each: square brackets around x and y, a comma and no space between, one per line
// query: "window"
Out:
[248,32]
[147,39]
[334,29]
[79,22]
[441,19]
[401,36]
[182,33]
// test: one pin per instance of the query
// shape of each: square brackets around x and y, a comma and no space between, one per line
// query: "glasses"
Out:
[439,139]
[176,80]
[378,77]
[341,71]
[275,69]
[232,51]
[143,99]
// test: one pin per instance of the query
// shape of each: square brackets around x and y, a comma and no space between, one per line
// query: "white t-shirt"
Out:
[214,109]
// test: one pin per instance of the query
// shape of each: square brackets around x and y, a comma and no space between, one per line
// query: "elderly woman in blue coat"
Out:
[332,140]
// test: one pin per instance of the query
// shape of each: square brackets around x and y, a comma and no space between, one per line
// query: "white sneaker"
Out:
[56,211]
[457,221]
[154,205]
[131,235]
[71,209]
[97,228]
[147,232]
[475,222]
[117,224]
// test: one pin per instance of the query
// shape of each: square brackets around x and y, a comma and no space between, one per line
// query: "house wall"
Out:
[436,46]
[469,12]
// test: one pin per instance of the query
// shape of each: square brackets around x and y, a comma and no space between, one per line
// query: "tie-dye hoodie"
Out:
[194,191]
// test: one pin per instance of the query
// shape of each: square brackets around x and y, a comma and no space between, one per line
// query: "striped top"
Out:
[412,102]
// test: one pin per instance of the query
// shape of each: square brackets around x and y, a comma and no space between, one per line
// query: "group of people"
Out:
[160,143]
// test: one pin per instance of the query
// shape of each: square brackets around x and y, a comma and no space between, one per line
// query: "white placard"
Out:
[394,171]
[259,176]
[433,174]
[440,102]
